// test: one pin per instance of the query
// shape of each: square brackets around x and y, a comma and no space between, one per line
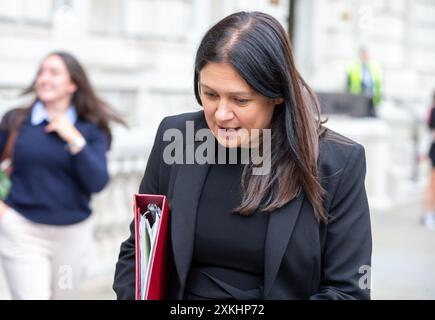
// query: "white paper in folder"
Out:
[148,226]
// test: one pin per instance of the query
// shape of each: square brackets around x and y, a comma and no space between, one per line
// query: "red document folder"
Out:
[161,262]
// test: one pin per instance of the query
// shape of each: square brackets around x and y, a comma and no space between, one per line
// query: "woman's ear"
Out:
[73,88]
[277,101]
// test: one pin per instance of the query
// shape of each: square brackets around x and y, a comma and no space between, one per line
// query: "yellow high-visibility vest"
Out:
[354,85]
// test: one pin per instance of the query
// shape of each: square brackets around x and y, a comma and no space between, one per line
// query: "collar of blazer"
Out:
[186,193]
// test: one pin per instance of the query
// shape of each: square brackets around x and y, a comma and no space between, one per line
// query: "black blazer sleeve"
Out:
[125,275]
[346,257]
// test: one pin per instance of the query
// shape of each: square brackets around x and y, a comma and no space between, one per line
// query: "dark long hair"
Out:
[88,105]
[258,47]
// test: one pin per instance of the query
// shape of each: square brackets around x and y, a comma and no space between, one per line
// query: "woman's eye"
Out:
[210,94]
[241,101]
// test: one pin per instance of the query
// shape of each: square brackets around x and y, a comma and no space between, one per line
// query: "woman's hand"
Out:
[64,128]
[3,209]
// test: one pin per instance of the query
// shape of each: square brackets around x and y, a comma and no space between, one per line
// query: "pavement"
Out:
[403,261]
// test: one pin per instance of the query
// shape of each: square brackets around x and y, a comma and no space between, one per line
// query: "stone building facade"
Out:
[139,55]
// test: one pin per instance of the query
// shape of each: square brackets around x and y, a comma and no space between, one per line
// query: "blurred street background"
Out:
[140,54]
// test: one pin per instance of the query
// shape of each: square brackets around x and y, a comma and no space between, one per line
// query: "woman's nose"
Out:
[224,112]
[42,77]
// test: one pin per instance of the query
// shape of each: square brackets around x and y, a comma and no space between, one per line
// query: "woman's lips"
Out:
[227,132]
[44,89]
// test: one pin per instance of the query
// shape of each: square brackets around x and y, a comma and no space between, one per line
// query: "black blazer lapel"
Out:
[279,230]
[188,185]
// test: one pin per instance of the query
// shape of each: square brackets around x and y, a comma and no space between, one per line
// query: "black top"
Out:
[228,257]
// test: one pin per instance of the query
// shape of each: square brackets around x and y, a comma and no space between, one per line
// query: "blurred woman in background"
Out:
[57,148]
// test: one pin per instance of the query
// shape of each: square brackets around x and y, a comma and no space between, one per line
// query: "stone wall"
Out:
[400,35]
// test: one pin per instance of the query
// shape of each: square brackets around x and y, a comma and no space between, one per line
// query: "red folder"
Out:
[161,261]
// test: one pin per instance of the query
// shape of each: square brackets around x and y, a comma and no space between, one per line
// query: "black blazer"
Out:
[303,259]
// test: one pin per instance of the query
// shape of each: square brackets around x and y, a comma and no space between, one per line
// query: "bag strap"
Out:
[10,144]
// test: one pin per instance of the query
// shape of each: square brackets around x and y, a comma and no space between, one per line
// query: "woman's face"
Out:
[231,107]
[53,82]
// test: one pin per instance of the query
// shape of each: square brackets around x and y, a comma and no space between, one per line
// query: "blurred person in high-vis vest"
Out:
[365,77]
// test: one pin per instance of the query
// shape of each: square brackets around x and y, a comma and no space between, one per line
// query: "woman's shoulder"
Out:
[12,117]
[87,125]
[184,120]
[90,129]
[336,150]
[341,163]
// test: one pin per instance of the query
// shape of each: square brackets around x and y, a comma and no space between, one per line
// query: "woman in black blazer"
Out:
[289,218]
